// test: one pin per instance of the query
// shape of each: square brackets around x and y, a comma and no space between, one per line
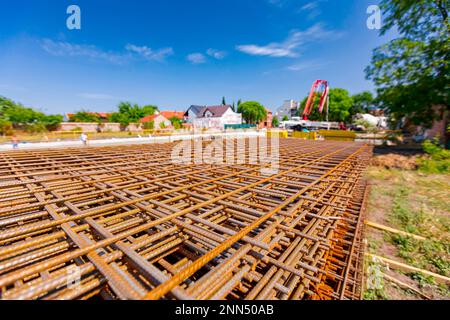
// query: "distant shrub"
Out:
[36,128]
[6,127]
[150,125]
[366,124]
[438,160]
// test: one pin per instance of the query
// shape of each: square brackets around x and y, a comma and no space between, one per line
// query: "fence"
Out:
[338,135]
[278,133]
[75,135]
[305,135]
[240,126]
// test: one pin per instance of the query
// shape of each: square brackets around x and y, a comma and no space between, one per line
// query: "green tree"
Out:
[21,116]
[149,110]
[85,116]
[275,122]
[176,123]
[121,118]
[131,113]
[362,102]
[252,112]
[51,122]
[5,103]
[149,125]
[15,115]
[411,72]
[224,102]
[6,127]
[339,109]
[286,118]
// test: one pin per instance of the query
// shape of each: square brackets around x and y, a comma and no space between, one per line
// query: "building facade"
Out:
[159,121]
[267,122]
[289,109]
[212,117]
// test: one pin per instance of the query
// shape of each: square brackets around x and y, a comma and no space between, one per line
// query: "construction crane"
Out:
[318,87]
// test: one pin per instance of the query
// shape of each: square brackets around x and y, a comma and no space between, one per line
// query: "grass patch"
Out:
[438,160]
[418,220]
[417,203]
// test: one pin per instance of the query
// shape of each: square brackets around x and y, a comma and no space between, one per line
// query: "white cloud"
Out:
[196,58]
[272,50]
[309,6]
[96,96]
[307,65]
[216,54]
[148,53]
[312,8]
[289,47]
[61,48]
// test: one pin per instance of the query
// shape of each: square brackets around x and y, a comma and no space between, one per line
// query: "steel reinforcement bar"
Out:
[129,223]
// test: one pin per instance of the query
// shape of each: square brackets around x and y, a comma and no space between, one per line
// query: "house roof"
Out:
[195,109]
[217,111]
[148,118]
[153,117]
[171,114]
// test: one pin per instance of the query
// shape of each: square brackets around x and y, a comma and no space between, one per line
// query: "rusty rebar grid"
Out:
[138,226]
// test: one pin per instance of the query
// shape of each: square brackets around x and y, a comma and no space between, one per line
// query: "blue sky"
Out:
[174,53]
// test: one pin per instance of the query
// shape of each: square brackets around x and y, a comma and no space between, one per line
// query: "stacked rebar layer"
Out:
[129,223]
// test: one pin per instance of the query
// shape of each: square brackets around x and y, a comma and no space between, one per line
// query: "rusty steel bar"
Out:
[134,224]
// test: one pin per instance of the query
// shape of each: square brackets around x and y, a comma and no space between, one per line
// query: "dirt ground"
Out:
[416,203]
[395,161]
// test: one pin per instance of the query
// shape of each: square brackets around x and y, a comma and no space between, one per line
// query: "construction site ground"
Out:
[132,224]
[414,202]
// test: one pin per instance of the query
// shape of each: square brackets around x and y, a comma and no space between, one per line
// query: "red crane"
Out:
[319,87]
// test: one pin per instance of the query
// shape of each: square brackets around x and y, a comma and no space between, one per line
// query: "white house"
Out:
[212,117]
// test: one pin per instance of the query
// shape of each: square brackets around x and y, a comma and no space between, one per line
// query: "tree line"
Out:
[14,116]
[342,108]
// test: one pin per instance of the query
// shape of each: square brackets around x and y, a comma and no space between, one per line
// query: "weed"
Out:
[439,160]
[375,282]
[421,279]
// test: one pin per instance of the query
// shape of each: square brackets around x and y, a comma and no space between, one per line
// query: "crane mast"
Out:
[319,87]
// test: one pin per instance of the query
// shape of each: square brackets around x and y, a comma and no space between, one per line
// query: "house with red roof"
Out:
[159,121]
[173,114]
[212,117]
